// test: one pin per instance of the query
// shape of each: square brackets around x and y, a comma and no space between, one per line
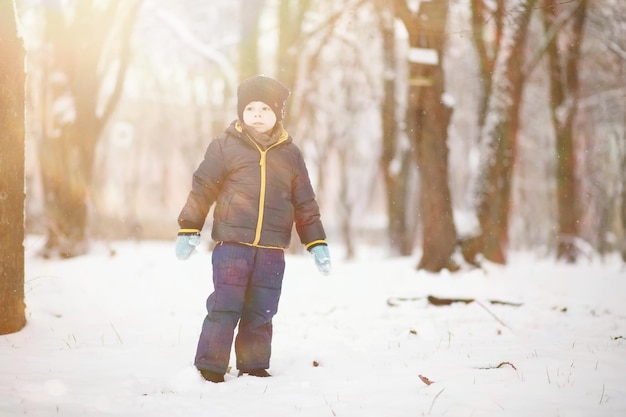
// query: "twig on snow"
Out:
[601,395]
[435,399]
[500,365]
[506,363]
[492,314]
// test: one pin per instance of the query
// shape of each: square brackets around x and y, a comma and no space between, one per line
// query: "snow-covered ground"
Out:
[114,334]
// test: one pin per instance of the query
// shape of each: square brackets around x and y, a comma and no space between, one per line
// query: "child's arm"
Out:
[308,220]
[205,188]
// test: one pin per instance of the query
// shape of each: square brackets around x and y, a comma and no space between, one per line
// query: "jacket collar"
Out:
[237,126]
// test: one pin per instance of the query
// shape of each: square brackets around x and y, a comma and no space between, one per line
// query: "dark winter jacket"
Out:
[258,194]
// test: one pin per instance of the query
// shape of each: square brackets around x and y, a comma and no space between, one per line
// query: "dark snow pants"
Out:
[247,284]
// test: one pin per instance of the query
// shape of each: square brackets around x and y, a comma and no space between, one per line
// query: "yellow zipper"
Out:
[259,223]
[263,165]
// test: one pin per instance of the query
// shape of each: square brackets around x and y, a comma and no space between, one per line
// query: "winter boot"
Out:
[261,373]
[212,376]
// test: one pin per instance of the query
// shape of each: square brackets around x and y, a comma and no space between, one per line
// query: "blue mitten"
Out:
[322,258]
[186,243]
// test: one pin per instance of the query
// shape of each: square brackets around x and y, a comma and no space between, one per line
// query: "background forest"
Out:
[434,127]
[482,137]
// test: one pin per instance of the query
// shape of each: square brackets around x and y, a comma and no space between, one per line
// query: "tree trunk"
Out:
[12,316]
[427,126]
[395,164]
[249,32]
[499,136]
[345,205]
[486,46]
[563,66]
[291,16]
[622,203]
[75,63]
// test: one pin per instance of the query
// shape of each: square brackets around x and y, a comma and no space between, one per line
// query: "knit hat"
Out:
[265,89]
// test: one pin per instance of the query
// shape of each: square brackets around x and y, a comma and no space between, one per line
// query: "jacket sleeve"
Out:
[205,186]
[307,213]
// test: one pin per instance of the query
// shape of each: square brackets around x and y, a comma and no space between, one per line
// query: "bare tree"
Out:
[290,17]
[318,42]
[601,129]
[12,316]
[498,137]
[427,120]
[85,49]
[350,144]
[395,162]
[564,55]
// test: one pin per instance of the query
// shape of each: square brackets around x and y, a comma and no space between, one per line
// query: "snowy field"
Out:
[114,334]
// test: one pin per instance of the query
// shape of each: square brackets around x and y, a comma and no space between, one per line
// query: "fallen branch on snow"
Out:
[492,314]
[438,301]
[500,365]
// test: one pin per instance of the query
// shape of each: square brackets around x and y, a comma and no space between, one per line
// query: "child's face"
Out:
[259,116]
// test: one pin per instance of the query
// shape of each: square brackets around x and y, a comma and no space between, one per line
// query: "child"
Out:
[257,178]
